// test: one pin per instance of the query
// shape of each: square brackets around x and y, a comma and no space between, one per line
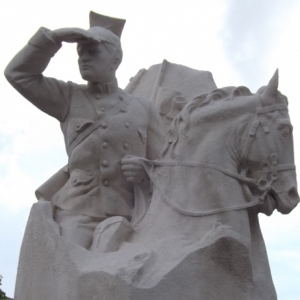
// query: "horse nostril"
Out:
[292,193]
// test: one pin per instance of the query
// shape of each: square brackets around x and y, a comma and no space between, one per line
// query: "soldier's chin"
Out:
[86,75]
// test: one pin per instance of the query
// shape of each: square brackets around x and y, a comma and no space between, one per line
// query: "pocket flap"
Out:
[79,177]
[81,125]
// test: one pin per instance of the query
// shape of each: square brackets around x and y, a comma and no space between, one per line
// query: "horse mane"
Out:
[216,96]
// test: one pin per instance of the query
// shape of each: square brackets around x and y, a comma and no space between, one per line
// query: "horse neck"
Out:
[217,145]
[216,134]
[229,127]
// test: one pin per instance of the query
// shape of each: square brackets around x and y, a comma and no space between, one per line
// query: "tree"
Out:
[2,294]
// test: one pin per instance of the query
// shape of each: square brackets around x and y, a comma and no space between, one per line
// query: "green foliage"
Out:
[2,294]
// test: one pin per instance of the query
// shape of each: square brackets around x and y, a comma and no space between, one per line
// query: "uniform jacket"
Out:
[126,125]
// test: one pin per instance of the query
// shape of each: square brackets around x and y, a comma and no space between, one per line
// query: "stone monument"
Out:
[132,217]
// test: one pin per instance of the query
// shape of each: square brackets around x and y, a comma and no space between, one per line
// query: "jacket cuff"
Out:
[43,41]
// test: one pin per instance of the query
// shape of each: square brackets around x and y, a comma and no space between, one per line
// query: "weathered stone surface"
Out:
[170,86]
[110,233]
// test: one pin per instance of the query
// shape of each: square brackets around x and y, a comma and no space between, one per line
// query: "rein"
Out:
[237,176]
[262,183]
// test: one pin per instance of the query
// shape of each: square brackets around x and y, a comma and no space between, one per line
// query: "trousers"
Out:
[76,228]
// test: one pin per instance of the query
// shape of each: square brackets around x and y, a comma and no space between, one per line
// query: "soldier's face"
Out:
[96,62]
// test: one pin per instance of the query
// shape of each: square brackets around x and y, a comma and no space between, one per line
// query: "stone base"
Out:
[52,268]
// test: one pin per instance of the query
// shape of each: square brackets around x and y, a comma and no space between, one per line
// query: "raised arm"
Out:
[24,72]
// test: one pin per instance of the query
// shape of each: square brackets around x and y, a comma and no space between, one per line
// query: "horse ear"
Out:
[270,93]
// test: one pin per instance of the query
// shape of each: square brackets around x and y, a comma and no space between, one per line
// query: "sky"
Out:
[241,42]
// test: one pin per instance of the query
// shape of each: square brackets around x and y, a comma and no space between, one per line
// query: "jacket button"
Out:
[102,109]
[104,145]
[98,96]
[104,125]
[126,146]
[105,163]
[105,182]
[127,124]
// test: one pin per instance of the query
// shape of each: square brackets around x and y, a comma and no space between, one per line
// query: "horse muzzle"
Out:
[286,201]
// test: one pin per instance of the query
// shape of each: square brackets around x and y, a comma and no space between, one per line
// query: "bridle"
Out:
[267,152]
[268,174]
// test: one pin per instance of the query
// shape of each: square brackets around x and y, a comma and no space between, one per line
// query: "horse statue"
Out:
[228,156]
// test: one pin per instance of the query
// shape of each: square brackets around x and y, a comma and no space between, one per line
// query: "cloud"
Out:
[250,32]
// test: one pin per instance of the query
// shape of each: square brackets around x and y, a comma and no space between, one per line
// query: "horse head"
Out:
[268,153]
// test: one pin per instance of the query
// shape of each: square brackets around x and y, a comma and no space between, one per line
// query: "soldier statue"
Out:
[102,126]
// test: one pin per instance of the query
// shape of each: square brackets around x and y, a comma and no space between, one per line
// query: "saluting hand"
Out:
[73,35]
